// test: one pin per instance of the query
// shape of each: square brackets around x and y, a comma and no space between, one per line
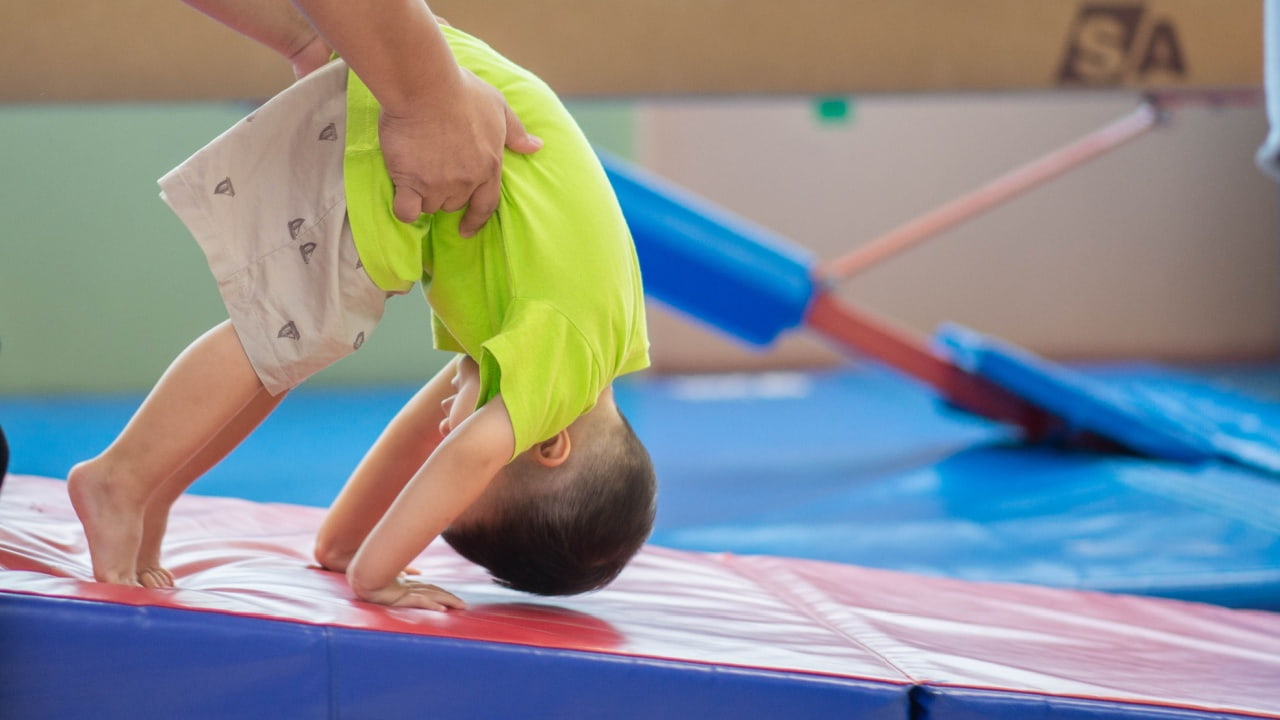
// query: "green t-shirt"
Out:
[547,296]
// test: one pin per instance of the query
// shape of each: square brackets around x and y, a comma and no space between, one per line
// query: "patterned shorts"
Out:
[265,202]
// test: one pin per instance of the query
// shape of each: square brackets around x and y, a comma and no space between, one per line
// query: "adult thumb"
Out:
[407,204]
[518,139]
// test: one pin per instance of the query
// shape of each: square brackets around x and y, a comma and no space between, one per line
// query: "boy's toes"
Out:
[118,579]
[156,578]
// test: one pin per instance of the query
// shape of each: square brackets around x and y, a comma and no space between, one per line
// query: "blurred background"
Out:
[1165,249]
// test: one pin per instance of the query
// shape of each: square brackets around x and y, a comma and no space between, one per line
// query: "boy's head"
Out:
[566,515]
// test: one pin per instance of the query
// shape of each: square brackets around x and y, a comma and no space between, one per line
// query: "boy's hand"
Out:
[404,592]
[449,156]
[449,482]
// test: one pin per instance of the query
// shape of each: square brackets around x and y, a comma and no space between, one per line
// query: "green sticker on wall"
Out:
[834,110]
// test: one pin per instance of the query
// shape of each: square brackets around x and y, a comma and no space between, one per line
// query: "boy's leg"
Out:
[151,573]
[201,392]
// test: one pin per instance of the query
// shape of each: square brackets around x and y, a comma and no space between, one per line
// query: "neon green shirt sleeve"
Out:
[544,368]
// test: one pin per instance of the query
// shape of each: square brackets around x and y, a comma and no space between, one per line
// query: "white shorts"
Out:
[265,202]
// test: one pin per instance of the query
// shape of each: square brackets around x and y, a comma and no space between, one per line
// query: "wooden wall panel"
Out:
[90,50]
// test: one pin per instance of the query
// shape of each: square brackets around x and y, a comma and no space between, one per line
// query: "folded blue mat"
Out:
[1157,419]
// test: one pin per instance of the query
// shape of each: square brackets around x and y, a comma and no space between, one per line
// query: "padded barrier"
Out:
[252,629]
[711,264]
[938,703]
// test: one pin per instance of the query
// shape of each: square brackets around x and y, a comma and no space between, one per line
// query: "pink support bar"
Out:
[877,339]
[992,194]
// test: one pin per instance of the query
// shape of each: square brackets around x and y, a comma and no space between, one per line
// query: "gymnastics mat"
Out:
[1160,424]
[862,467]
[254,629]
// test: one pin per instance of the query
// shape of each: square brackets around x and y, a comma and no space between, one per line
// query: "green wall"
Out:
[101,285]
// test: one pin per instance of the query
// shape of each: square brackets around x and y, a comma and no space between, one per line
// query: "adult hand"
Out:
[450,156]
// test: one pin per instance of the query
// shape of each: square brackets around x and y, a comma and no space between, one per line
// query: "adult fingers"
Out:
[483,202]
[407,204]
[518,138]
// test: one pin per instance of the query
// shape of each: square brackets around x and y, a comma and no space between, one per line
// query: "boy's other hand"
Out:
[404,592]
[449,156]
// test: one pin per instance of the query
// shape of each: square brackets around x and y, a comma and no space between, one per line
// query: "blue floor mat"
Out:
[856,466]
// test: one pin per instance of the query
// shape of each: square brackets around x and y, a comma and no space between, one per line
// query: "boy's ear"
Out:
[553,452]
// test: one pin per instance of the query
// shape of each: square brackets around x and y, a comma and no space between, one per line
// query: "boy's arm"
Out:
[402,448]
[453,478]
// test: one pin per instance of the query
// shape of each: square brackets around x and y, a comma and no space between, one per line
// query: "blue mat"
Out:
[863,468]
[1163,420]
[81,659]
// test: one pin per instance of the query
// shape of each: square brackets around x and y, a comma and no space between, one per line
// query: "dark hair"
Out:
[569,529]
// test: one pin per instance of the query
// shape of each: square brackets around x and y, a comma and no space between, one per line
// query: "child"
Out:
[515,452]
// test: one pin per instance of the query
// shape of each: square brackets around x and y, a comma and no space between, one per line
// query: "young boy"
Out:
[515,452]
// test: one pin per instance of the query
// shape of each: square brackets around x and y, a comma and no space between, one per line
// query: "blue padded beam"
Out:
[1171,426]
[714,266]
[378,675]
[65,658]
[950,703]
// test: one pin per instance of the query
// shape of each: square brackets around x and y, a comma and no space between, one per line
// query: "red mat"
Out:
[790,616]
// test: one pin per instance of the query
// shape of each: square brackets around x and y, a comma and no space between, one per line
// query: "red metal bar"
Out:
[879,340]
[993,193]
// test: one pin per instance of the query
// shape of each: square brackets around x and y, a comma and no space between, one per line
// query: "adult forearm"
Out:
[395,46]
[274,23]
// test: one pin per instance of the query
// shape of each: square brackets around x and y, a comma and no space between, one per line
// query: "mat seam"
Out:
[789,596]
[334,712]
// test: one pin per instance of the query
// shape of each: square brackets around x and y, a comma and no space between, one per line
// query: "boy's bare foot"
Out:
[150,572]
[156,577]
[112,523]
